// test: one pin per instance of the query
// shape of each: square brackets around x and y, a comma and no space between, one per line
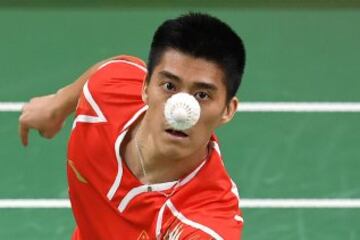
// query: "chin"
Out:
[175,152]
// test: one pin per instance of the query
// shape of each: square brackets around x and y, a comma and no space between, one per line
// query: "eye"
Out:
[169,87]
[202,96]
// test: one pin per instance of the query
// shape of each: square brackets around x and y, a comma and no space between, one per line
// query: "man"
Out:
[130,175]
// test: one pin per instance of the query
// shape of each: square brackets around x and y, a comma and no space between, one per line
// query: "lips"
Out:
[176,133]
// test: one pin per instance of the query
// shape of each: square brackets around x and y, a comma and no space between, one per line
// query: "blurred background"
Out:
[298,51]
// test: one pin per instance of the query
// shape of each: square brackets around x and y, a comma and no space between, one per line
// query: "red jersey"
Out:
[109,202]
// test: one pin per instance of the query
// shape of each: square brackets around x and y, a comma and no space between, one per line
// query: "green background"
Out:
[306,51]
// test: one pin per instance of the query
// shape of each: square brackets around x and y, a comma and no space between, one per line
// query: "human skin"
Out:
[46,114]
[168,157]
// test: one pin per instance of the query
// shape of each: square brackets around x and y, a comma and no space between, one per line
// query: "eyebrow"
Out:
[202,85]
[169,75]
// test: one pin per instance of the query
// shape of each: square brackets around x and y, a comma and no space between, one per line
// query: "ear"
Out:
[144,91]
[230,110]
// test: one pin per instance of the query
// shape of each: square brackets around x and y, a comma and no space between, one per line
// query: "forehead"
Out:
[190,69]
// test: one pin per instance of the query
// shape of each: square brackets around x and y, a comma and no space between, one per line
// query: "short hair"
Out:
[202,36]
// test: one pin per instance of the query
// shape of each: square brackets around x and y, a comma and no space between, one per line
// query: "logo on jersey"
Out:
[77,173]
[174,234]
[143,236]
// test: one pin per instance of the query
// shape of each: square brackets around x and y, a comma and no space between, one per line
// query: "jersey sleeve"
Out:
[113,92]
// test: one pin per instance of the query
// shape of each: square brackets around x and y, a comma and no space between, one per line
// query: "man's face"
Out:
[178,72]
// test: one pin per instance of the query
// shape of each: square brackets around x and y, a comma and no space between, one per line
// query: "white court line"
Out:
[299,107]
[300,203]
[254,106]
[244,203]
[34,203]
[11,106]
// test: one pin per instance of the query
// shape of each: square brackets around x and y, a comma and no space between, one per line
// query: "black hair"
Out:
[202,36]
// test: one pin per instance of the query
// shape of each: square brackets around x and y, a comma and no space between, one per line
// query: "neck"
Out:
[152,166]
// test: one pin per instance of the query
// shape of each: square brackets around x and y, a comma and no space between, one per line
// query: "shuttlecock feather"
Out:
[182,111]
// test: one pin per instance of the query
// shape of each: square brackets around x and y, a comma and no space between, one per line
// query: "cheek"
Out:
[206,126]
[156,95]
[210,119]
[156,103]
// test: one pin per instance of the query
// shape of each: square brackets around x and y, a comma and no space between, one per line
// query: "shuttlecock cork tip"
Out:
[180,114]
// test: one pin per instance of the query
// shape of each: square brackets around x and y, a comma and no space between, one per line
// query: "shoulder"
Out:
[113,92]
[118,72]
[206,207]
[125,65]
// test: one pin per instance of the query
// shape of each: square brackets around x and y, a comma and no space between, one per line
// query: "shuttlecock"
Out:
[182,111]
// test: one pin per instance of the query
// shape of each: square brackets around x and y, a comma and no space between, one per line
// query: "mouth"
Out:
[176,133]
